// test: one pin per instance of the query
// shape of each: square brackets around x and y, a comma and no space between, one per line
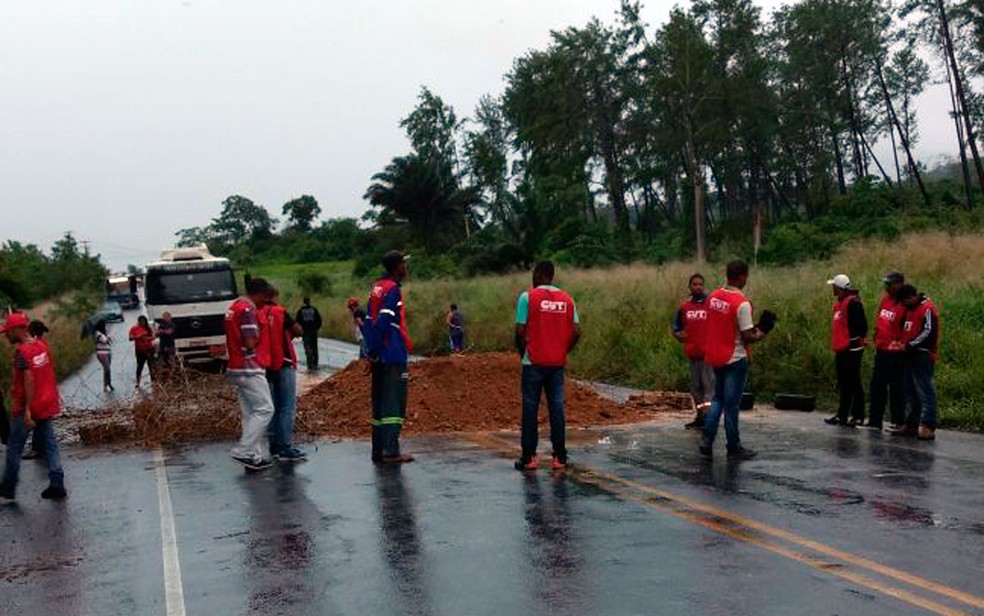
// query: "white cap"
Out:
[840,281]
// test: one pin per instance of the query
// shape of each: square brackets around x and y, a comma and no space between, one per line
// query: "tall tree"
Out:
[301,212]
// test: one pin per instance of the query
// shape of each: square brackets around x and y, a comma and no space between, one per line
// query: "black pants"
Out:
[538,380]
[389,407]
[145,358]
[848,364]
[311,349]
[887,382]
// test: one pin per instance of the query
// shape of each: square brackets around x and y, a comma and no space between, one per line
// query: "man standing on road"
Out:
[730,329]
[920,344]
[689,327]
[165,338]
[280,333]
[848,332]
[247,375]
[887,376]
[35,402]
[456,329]
[388,346]
[547,329]
[310,321]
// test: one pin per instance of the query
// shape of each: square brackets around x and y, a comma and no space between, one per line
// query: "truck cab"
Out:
[196,288]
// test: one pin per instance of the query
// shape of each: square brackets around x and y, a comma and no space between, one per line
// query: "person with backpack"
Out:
[547,330]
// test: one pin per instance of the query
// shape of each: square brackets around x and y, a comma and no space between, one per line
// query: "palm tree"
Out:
[424,196]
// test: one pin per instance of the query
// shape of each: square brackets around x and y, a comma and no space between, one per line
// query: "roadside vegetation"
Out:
[626,311]
[62,288]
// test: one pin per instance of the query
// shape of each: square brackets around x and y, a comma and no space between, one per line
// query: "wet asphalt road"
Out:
[826,521]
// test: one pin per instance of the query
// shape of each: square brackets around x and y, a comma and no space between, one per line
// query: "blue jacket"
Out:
[385,329]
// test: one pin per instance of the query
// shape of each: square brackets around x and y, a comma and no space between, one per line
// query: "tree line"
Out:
[718,130]
[28,275]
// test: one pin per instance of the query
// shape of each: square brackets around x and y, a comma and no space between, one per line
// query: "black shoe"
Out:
[742,453]
[6,494]
[832,421]
[292,455]
[851,423]
[54,492]
[706,450]
[873,426]
[253,464]
[696,424]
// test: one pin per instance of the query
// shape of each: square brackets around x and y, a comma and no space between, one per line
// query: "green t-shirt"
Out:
[523,312]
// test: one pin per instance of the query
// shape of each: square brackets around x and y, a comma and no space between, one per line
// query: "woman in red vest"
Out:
[34,403]
[690,327]
[848,331]
[920,344]
[143,345]
[729,330]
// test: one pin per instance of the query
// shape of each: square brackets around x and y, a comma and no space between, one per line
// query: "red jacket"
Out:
[722,326]
[888,323]
[549,327]
[921,329]
[35,356]
[241,323]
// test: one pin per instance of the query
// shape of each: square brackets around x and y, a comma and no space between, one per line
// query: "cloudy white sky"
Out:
[125,121]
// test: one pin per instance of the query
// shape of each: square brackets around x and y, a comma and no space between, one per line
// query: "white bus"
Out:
[196,288]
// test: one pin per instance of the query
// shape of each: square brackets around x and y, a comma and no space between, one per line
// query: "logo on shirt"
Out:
[837,315]
[40,360]
[887,315]
[719,305]
[555,307]
[696,315]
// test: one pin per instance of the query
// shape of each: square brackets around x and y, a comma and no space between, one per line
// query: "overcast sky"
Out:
[124,121]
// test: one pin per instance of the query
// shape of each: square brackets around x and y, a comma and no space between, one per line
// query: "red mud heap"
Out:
[446,394]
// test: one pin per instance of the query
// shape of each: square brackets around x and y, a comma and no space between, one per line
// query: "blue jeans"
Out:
[920,390]
[457,339]
[729,385]
[45,432]
[538,379]
[283,390]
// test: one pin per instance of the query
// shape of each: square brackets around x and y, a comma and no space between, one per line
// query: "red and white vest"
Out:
[549,327]
[46,403]
[888,322]
[912,326]
[693,316]
[722,326]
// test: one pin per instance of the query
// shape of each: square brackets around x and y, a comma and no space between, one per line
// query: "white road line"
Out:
[173,591]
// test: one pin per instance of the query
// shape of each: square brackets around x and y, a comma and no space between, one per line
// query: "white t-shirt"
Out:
[744,323]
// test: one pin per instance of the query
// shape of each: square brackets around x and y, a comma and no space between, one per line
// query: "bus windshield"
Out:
[188,287]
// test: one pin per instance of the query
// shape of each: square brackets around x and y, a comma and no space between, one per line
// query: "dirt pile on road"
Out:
[446,394]
[452,394]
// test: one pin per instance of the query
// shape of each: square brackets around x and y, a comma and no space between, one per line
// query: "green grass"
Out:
[626,311]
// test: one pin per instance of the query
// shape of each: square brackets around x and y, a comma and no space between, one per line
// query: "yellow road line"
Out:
[723,521]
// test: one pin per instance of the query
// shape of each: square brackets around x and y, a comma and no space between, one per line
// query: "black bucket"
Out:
[796,402]
[747,401]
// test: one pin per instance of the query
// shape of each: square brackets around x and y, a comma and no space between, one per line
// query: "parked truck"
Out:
[196,288]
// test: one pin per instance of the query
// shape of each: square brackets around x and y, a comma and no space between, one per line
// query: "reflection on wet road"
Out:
[824,522]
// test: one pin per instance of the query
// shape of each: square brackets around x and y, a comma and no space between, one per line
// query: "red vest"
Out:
[722,326]
[264,348]
[694,319]
[278,345]
[840,333]
[912,325]
[234,337]
[888,322]
[376,299]
[549,327]
[46,402]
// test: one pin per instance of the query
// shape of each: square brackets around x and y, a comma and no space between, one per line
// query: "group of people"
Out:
[262,369]
[715,330]
[906,341]
[147,353]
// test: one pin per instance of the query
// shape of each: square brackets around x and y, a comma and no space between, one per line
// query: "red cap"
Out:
[351,303]
[14,320]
